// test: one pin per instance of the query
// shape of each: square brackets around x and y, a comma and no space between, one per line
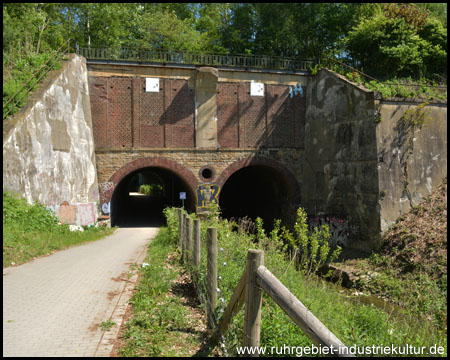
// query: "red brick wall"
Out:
[275,120]
[228,114]
[126,116]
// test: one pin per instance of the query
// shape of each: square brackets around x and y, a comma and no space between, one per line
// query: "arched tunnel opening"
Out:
[132,208]
[256,191]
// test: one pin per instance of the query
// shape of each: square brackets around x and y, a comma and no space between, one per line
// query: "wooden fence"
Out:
[255,279]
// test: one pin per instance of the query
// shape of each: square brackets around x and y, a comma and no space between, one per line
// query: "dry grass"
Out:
[419,238]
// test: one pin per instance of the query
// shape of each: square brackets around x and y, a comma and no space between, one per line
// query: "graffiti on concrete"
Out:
[294,90]
[106,187]
[207,194]
[106,191]
[53,209]
[340,229]
[78,214]
[106,208]
[86,214]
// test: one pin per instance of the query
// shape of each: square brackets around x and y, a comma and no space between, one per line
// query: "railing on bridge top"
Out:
[125,53]
[171,57]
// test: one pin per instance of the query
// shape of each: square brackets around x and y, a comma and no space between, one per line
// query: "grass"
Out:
[352,322]
[107,325]
[162,323]
[30,231]
[25,70]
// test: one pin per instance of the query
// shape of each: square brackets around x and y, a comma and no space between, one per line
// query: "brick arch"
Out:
[180,170]
[286,174]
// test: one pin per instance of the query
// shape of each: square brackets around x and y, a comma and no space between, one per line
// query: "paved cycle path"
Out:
[53,306]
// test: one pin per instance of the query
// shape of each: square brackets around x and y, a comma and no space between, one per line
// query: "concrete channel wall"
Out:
[412,159]
[48,147]
[366,161]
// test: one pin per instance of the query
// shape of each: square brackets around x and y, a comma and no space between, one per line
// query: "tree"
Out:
[160,29]
[399,41]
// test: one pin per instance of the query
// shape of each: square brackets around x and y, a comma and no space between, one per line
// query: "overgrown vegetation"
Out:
[30,231]
[24,76]
[352,322]
[411,268]
[29,50]
[161,324]
[402,88]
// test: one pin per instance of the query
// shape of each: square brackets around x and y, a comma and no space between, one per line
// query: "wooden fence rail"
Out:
[255,279]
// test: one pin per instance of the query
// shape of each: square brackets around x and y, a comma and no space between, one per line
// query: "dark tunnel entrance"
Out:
[256,191]
[130,208]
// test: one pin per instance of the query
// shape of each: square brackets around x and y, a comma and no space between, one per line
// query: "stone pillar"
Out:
[206,107]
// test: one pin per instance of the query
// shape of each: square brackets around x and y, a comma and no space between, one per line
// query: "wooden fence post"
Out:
[211,287]
[313,328]
[180,227]
[197,242]
[183,239]
[253,301]
[189,238]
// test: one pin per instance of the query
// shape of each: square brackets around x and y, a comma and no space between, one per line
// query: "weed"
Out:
[107,325]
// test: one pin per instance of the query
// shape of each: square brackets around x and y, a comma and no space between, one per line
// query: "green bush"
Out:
[26,72]
[33,230]
[17,212]
[155,190]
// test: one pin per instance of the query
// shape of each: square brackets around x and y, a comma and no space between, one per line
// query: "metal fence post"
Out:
[180,227]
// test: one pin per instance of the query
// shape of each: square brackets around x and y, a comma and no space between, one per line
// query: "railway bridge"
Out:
[226,136]
[257,141]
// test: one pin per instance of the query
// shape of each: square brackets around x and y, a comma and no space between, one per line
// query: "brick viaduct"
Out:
[262,143]
[196,130]
[258,142]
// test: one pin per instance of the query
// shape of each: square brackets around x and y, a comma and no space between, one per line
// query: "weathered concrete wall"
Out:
[48,147]
[365,163]
[340,178]
[412,160]
[206,108]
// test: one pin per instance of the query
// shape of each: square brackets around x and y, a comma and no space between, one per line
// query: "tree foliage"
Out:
[383,39]
[399,41]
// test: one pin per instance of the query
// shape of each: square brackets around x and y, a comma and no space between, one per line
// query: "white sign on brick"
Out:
[151,85]
[256,89]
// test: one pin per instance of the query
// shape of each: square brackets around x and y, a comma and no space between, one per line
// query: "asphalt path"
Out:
[54,305]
